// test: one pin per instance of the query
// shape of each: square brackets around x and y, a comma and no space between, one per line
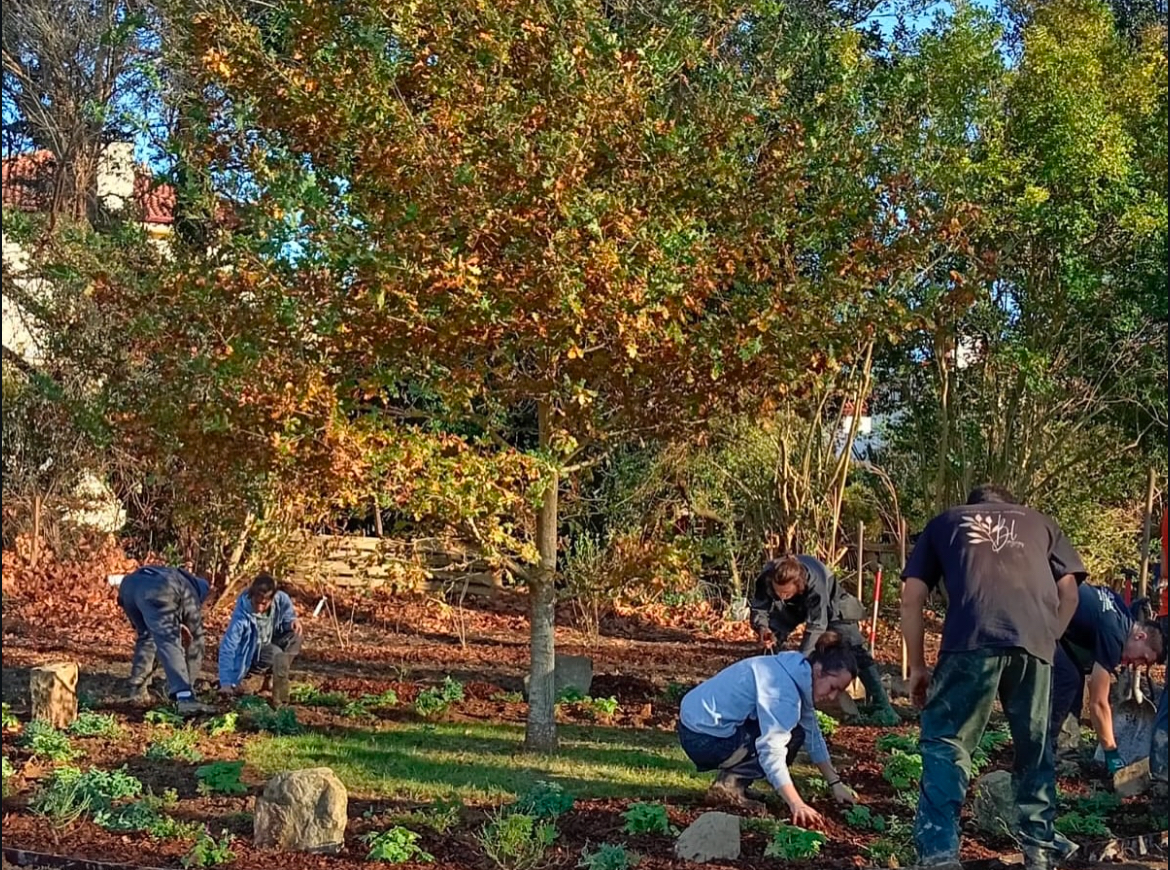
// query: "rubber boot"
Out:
[730,789]
[883,712]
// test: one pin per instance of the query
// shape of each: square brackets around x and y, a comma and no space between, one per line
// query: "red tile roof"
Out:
[27,181]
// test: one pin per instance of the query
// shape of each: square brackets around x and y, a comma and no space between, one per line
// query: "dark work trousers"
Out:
[735,755]
[958,705]
[287,642]
[1068,693]
[152,607]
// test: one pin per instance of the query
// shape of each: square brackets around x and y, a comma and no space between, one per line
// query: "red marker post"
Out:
[877,598]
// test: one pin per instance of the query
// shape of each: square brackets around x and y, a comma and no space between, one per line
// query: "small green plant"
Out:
[863,819]
[906,743]
[382,700]
[261,717]
[515,841]
[602,707]
[674,691]
[355,710]
[570,695]
[396,846]
[440,817]
[790,843]
[9,772]
[815,785]
[218,726]
[221,777]
[44,741]
[69,793]
[607,856]
[10,722]
[311,696]
[90,724]
[178,746]
[208,852]
[902,770]
[828,724]
[508,697]
[436,700]
[994,739]
[646,818]
[163,717]
[544,800]
[895,849]
[1090,825]
[1096,802]
[146,815]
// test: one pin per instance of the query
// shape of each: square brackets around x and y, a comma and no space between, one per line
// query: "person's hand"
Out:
[1113,760]
[843,794]
[804,816]
[185,636]
[919,681]
[767,638]
[297,628]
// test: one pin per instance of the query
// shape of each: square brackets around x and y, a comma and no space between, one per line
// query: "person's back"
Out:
[999,562]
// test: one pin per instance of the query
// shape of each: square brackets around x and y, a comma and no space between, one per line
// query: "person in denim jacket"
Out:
[263,624]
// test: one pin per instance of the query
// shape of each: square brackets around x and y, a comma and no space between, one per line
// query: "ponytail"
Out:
[833,654]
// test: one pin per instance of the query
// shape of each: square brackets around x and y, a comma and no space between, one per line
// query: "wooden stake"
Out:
[377,519]
[860,558]
[1147,523]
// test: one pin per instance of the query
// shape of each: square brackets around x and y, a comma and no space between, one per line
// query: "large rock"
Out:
[302,811]
[994,805]
[711,837]
[1133,779]
[572,672]
[1068,741]
[53,693]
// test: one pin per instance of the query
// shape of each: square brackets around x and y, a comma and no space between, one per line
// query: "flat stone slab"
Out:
[1133,779]
[711,837]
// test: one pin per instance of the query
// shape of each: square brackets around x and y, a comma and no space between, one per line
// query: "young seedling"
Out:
[178,746]
[396,846]
[827,724]
[902,770]
[217,726]
[207,852]
[515,841]
[163,717]
[545,800]
[45,742]
[790,843]
[221,777]
[607,856]
[646,818]
[10,722]
[90,724]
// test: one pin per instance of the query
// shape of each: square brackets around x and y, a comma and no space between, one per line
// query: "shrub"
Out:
[790,843]
[644,818]
[515,841]
[179,746]
[607,856]
[207,852]
[89,724]
[69,793]
[164,717]
[217,726]
[45,742]
[396,846]
[221,777]
[827,723]
[544,800]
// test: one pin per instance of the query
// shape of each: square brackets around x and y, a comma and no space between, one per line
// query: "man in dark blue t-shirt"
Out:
[1102,636]
[1011,579]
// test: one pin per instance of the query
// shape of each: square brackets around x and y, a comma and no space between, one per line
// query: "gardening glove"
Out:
[843,794]
[1113,760]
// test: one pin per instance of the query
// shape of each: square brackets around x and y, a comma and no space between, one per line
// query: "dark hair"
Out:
[264,586]
[1154,635]
[991,493]
[786,571]
[833,654]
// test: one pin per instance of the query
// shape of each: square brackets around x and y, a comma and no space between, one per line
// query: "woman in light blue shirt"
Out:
[750,719]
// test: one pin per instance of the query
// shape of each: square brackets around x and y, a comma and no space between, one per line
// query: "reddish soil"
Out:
[380,642]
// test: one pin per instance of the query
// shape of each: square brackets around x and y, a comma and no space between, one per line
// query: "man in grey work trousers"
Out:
[165,606]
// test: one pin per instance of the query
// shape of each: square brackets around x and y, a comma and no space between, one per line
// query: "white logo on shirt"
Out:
[991,529]
[1107,605]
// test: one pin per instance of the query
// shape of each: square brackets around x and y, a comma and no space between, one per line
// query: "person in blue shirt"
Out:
[165,607]
[1102,636]
[263,624]
[750,719]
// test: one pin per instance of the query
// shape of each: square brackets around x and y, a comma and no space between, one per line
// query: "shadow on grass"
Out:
[485,762]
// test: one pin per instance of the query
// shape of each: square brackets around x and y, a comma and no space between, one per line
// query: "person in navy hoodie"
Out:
[749,720]
[165,606]
[263,624]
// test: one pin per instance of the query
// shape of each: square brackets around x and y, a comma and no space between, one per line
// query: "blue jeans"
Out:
[964,687]
[733,756]
[1158,742]
[1068,693]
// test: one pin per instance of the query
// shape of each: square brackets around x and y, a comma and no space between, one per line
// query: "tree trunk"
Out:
[541,732]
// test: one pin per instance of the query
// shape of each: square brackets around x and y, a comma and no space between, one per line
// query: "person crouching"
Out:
[263,624]
[750,719]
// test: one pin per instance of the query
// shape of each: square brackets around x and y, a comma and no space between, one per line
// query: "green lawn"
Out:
[482,762]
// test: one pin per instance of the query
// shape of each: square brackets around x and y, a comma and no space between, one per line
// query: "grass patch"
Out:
[425,761]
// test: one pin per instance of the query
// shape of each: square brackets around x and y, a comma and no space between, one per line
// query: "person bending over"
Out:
[263,624]
[750,719]
[1102,636]
[795,590]
[165,606]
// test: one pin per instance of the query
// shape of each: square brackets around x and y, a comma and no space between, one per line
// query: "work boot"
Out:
[138,694]
[728,789]
[883,713]
[193,707]
[266,683]
[1051,857]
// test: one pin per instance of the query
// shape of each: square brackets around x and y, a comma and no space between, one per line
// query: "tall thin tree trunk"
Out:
[541,732]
